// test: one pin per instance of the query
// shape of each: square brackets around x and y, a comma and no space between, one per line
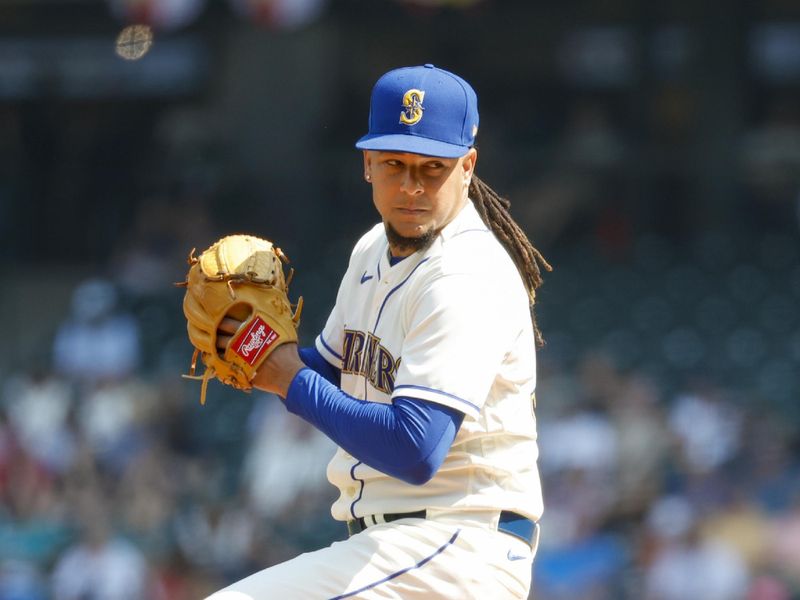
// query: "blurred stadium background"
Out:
[652,152]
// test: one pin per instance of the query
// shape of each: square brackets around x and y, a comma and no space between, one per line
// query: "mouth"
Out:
[411,211]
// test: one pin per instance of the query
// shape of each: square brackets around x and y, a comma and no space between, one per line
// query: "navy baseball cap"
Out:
[423,110]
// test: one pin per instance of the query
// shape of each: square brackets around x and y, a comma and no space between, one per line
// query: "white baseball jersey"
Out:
[451,325]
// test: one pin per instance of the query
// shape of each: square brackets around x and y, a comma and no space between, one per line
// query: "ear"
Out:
[468,162]
[367,164]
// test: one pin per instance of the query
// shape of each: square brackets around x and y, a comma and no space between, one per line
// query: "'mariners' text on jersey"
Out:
[364,355]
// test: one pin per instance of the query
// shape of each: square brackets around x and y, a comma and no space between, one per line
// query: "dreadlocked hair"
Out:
[494,210]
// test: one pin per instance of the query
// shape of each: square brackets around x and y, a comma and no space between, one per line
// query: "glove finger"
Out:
[195,313]
[203,340]
[229,325]
[223,341]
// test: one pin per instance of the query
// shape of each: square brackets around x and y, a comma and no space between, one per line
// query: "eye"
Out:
[392,162]
[435,165]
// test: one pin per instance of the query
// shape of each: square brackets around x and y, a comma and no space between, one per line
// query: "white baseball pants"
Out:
[448,557]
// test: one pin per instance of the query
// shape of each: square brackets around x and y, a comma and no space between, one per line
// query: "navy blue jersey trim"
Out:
[403,571]
[419,387]
[360,491]
[394,289]
[472,230]
[328,348]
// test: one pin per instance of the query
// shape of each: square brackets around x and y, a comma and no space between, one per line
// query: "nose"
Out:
[411,183]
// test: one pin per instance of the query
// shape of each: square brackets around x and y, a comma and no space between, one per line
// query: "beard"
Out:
[414,244]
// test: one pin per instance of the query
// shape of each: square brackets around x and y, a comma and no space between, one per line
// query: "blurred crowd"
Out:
[696,495]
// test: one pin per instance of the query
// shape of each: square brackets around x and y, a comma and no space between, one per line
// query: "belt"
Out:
[510,523]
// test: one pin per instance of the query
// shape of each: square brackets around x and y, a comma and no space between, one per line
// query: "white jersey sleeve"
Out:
[329,342]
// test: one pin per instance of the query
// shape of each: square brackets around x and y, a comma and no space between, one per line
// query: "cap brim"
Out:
[398,142]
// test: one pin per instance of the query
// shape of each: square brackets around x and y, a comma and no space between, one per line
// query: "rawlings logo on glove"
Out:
[259,336]
[241,277]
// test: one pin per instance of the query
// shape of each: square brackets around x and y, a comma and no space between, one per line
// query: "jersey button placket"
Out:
[377,302]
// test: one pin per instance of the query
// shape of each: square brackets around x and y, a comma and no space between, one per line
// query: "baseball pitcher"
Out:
[424,374]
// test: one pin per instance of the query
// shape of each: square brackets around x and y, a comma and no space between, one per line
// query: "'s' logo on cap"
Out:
[412,107]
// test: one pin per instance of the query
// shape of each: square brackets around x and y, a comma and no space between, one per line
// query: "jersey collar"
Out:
[467,219]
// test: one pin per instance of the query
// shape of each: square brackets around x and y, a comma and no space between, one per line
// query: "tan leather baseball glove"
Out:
[240,276]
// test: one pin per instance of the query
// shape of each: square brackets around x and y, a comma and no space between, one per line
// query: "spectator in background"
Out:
[38,405]
[100,566]
[98,349]
[146,499]
[707,428]
[33,526]
[218,535]
[582,556]
[739,523]
[295,481]
[642,444]
[696,568]
[687,565]
[112,418]
[98,341]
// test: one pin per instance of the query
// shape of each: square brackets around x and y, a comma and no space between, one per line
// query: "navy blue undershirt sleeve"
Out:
[314,360]
[407,439]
